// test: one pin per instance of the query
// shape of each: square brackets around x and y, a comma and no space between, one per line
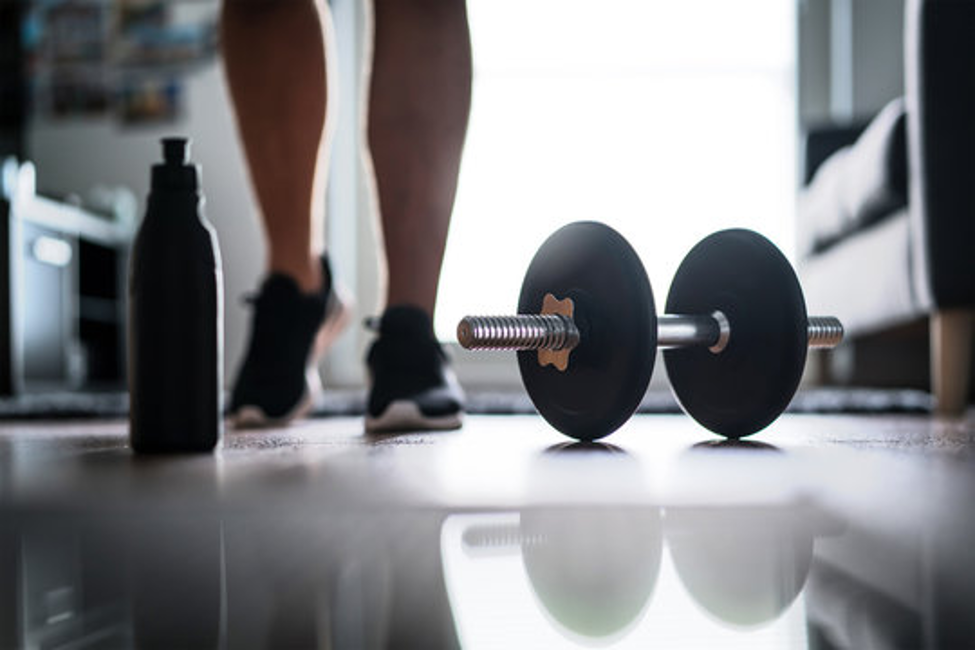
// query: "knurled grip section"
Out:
[824,331]
[522,332]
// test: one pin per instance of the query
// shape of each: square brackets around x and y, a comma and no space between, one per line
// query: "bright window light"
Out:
[667,120]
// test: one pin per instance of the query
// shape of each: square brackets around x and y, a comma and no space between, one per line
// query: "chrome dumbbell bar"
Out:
[557,332]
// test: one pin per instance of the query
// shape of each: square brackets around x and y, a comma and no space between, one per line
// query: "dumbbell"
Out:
[735,335]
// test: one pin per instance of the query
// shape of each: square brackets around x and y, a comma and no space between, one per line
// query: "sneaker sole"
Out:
[254,417]
[404,415]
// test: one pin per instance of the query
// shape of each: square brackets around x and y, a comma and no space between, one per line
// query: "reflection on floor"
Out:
[823,532]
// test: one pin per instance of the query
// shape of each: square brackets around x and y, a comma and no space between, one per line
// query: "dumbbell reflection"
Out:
[744,566]
[592,569]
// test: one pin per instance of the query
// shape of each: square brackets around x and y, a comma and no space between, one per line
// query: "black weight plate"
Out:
[749,384]
[609,370]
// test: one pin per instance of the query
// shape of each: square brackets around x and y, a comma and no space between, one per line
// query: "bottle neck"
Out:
[175,178]
[174,203]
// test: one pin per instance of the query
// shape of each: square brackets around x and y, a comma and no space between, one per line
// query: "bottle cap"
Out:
[176,151]
[176,172]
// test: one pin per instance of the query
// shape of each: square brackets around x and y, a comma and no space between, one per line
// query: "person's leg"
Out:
[275,53]
[281,86]
[420,93]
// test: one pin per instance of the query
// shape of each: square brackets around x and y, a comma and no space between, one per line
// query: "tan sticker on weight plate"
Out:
[559,359]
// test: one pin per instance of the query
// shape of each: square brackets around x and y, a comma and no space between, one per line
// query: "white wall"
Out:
[877,56]
[850,58]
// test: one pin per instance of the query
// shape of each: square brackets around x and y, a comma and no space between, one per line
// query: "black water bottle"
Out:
[176,320]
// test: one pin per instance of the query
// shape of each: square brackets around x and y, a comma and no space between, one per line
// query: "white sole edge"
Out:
[253,417]
[404,415]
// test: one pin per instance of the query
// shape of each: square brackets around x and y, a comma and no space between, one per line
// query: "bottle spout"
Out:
[176,151]
[176,172]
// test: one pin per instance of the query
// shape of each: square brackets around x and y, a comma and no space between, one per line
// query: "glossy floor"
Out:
[823,532]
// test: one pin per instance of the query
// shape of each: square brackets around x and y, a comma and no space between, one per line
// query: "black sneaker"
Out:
[413,388]
[278,380]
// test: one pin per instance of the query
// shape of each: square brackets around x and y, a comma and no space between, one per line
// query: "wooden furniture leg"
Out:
[951,353]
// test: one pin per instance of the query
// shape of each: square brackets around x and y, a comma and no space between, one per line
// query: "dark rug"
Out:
[63,406]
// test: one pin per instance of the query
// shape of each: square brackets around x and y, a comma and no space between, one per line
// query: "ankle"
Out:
[308,275]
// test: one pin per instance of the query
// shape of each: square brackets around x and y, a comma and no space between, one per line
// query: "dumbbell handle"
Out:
[559,332]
